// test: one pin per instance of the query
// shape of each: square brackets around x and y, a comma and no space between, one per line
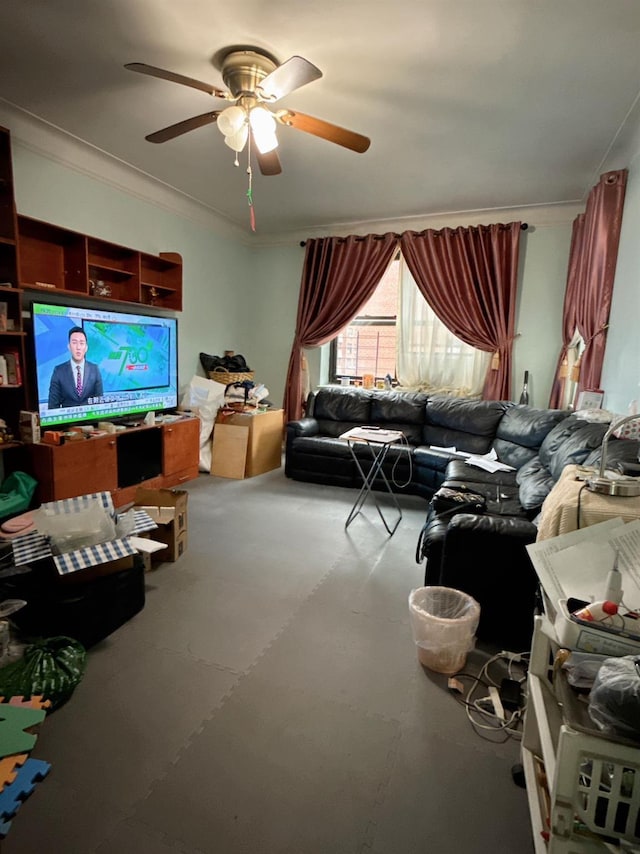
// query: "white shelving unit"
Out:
[583,789]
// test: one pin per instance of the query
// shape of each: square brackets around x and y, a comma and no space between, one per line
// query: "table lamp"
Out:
[625,486]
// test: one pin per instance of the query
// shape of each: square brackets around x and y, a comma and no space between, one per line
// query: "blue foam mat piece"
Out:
[15,794]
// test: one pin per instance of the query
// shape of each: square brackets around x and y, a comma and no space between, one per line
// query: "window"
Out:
[398,334]
[368,344]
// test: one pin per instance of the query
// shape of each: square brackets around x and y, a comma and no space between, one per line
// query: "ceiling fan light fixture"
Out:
[237,140]
[231,120]
[263,126]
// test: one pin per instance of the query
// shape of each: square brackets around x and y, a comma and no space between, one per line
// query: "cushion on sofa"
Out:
[618,451]
[535,483]
[466,424]
[406,408]
[400,411]
[339,409]
[342,404]
[521,432]
[570,443]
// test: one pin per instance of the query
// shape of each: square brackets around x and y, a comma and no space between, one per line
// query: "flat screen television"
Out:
[128,363]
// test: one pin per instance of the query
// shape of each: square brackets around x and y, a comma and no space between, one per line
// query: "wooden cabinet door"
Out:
[181,450]
[84,466]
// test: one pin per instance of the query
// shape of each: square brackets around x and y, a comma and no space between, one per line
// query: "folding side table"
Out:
[378,441]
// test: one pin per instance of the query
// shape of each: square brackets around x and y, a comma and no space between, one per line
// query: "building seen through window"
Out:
[368,344]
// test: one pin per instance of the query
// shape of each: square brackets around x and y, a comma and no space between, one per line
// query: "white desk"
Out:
[378,442]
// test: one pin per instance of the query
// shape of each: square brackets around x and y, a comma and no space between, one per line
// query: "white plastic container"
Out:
[443,623]
[594,637]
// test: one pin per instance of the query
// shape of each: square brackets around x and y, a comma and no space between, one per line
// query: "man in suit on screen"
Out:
[75,381]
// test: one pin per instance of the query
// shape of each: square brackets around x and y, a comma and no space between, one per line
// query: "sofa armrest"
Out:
[303,427]
[486,557]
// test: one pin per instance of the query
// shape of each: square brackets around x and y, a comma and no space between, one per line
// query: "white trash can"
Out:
[443,623]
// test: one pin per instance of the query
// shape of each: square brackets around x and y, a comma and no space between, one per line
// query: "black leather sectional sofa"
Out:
[482,553]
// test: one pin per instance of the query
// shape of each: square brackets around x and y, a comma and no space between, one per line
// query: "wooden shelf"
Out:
[14,396]
[111,271]
[60,261]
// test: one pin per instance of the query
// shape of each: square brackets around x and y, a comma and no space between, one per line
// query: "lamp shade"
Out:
[263,126]
[237,140]
[231,120]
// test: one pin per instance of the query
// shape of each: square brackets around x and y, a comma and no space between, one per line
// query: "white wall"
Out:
[621,369]
[544,254]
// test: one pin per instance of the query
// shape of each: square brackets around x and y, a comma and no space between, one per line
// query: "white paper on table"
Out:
[566,569]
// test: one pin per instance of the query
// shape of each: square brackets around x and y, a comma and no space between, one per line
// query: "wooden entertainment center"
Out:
[42,258]
[159,456]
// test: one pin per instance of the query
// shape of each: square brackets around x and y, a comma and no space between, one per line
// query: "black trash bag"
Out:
[235,364]
[51,667]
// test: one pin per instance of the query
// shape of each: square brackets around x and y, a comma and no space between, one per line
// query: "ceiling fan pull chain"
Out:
[252,213]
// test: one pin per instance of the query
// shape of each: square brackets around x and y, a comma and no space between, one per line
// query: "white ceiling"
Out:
[469,104]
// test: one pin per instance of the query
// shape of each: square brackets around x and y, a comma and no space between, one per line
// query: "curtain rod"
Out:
[523,226]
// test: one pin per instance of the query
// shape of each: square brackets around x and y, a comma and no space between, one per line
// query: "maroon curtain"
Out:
[338,278]
[568,310]
[602,222]
[469,278]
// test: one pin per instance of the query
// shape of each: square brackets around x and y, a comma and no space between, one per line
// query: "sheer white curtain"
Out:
[429,357]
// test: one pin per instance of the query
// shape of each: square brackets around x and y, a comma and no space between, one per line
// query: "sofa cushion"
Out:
[342,404]
[618,451]
[339,409]
[570,443]
[521,432]
[392,406]
[466,424]
[535,484]
[461,470]
[400,411]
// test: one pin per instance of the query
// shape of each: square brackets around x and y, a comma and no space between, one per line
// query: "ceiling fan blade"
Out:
[269,163]
[347,138]
[152,71]
[183,127]
[292,74]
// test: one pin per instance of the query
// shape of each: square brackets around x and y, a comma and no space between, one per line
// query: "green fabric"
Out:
[51,667]
[16,493]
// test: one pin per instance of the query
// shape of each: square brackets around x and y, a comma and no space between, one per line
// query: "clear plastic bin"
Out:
[443,623]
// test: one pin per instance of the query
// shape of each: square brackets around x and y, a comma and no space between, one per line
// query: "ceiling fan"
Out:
[255,81]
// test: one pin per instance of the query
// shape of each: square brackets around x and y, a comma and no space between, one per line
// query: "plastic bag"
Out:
[443,625]
[232,362]
[72,528]
[614,702]
[204,398]
[51,667]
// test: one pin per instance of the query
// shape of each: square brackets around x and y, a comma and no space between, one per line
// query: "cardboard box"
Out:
[29,427]
[247,444]
[168,509]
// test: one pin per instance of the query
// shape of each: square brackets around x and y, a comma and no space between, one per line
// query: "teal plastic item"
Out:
[16,493]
